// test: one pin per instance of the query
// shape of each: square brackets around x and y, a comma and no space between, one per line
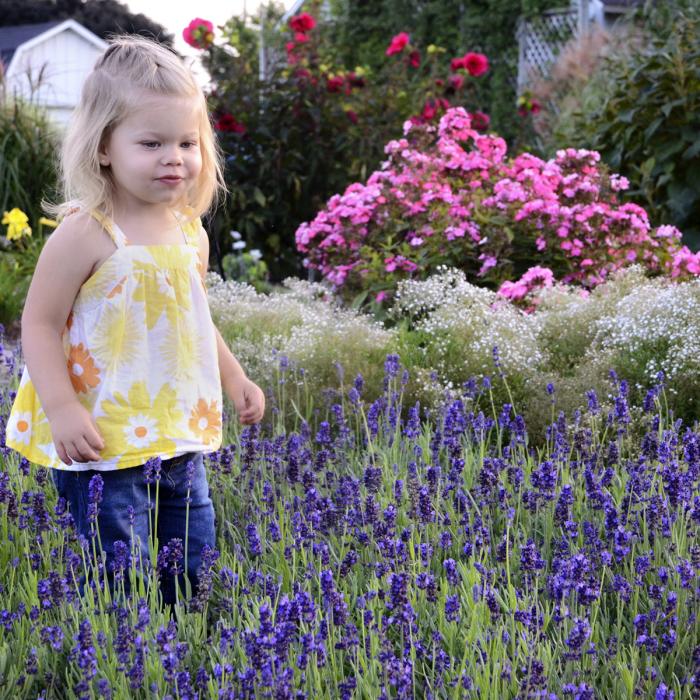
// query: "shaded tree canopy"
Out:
[102,17]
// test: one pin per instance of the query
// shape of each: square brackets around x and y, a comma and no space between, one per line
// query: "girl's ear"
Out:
[102,155]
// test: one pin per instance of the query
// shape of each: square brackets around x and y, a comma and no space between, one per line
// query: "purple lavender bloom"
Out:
[452,606]
[530,559]
[425,506]
[170,557]
[412,428]
[398,490]
[686,572]
[664,693]
[152,470]
[580,632]
[53,636]
[583,691]
[392,366]
[83,653]
[254,545]
[120,560]
[373,479]
[453,576]
[95,488]
[347,688]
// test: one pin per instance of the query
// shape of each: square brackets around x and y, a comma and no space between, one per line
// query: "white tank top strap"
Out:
[114,232]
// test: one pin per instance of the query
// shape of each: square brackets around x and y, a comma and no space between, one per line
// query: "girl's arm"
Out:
[66,261]
[246,396]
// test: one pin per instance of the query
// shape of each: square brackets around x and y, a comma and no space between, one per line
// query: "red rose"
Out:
[480,121]
[476,64]
[433,107]
[302,23]
[352,116]
[355,80]
[398,44]
[228,123]
[300,38]
[456,81]
[414,59]
[536,107]
[334,84]
[199,33]
[456,64]
[292,58]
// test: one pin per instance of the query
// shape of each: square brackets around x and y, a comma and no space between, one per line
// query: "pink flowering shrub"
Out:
[448,194]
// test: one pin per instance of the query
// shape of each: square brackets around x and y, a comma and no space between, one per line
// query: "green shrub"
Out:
[641,110]
[299,346]
[304,349]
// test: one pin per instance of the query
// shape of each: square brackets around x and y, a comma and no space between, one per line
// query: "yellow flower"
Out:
[43,221]
[140,424]
[17,224]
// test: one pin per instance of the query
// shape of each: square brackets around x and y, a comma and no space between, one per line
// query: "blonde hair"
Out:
[130,65]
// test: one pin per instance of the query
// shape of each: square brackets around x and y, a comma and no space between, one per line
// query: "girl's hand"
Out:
[248,399]
[75,434]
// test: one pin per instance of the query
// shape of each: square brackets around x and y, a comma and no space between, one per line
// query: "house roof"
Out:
[11,38]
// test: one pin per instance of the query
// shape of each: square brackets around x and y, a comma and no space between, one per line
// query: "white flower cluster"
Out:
[463,324]
[302,323]
[659,323]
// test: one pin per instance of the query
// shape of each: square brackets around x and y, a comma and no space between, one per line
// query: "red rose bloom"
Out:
[456,81]
[292,58]
[301,38]
[335,84]
[352,116]
[433,107]
[456,64]
[302,23]
[355,80]
[228,123]
[199,33]
[480,121]
[414,59]
[398,44]
[476,64]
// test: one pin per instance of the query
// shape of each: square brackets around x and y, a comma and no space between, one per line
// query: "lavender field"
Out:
[385,553]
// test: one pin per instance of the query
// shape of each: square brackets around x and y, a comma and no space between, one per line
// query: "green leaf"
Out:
[692,151]
[651,129]
[259,196]
[359,299]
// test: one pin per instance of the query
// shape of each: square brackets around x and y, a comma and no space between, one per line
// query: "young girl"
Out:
[124,366]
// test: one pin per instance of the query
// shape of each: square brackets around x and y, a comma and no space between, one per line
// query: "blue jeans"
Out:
[127,487]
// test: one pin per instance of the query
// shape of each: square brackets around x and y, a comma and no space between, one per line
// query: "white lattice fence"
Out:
[540,40]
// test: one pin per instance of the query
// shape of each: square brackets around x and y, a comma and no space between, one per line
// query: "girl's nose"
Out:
[172,156]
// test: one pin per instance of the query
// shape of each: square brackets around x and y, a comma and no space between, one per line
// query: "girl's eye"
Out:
[150,144]
[189,144]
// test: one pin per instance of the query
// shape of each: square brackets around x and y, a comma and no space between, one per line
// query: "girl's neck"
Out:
[148,227]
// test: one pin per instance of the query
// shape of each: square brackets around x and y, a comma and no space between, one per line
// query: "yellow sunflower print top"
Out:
[141,354]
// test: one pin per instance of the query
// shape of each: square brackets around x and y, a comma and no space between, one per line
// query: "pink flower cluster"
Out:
[448,194]
[534,279]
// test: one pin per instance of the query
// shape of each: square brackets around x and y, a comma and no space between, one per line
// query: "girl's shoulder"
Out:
[81,236]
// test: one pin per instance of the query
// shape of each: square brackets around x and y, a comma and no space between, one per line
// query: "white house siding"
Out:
[51,71]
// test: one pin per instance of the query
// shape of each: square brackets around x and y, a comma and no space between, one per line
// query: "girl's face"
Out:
[154,153]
